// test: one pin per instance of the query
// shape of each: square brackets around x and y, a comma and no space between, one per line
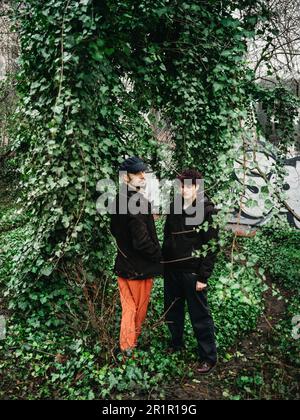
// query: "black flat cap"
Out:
[133,165]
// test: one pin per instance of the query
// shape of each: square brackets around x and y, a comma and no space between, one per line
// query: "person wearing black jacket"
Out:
[139,252]
[186,274]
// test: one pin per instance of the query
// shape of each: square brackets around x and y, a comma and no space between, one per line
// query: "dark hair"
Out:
[191,174]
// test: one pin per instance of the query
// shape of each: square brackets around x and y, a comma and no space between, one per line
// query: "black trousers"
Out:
[179,288]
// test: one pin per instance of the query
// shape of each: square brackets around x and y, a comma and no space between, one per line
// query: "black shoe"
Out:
[206,368]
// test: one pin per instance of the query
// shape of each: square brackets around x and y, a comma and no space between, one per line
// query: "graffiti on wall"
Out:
[257,210]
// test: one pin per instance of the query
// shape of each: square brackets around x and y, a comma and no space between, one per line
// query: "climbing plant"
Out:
[89,72]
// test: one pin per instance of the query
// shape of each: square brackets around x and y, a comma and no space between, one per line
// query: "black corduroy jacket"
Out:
[181,241]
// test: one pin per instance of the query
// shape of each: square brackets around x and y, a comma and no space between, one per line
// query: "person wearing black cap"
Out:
[139,252]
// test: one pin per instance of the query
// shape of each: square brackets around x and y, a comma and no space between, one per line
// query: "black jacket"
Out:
[182,240]
[139,251]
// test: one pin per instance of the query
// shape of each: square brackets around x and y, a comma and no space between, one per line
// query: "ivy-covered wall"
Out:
[78,119]
[89,73]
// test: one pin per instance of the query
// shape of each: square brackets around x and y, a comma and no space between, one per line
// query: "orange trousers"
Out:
[135,296]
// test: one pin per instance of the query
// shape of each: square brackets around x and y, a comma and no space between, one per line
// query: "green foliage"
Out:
[236,304]
[42,361]
[277,250]
[282,107]
[8,124]
[289,346]
[50,360]
[8,104]
[89,70]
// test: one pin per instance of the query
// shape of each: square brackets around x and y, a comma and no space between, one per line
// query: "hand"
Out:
[200,286]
